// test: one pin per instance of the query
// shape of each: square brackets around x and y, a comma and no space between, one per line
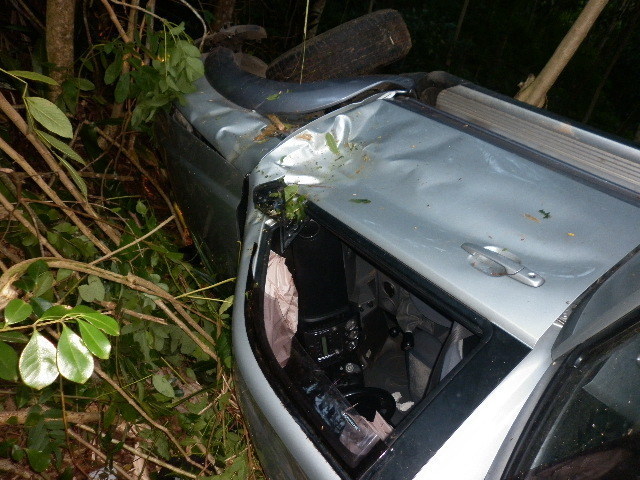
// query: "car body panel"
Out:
[617,296]
[233,131]
[207,188]
[263,401]
[483,433]
[274,97]
[458,185]
[417,182]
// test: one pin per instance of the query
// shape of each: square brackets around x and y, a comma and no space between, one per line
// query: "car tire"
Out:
[357,47]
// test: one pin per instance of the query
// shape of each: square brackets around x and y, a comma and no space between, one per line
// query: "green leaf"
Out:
[49,116]
[177,30]
[113,71]
[56,312]
[37,363]
[63,274]
[39,461]
[226,303]
[194,68]
[99,320]
[93,290]
[16,311]
[121,91]
[162,385]
[84,84]
[141,208]
[40,305]
[17,453]
[8,362]
[332,144]
[13,337]
[75,361]
[38,77]
[274,96]
[43,284]
[70,96]
[95,340]
[60,146]
[75,176]
[188,49]
[176,55]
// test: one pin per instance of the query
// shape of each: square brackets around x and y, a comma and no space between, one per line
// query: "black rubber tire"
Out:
[357,47]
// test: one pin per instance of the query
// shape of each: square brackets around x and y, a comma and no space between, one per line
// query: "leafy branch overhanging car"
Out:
[434,281]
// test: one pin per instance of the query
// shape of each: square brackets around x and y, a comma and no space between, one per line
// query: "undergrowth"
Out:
[114,351]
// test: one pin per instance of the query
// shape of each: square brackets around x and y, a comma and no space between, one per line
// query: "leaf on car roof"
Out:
[332,144]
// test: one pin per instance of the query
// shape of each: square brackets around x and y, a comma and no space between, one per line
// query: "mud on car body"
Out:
[434,281]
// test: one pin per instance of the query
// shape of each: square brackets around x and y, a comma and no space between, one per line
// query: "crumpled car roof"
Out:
[418,183]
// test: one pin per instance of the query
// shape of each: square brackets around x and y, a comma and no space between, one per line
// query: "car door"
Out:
[583,421]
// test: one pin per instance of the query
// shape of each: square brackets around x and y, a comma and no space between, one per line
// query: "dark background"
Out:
[500,43]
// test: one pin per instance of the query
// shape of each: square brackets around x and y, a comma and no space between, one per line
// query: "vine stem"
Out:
[20,416]
[136,241]
[304,38]
[208,287]
[116,22]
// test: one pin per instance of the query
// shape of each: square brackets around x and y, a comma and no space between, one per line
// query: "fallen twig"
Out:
[99,454]
[19,417]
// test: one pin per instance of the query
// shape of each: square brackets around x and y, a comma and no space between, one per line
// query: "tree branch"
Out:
[20,416]
[535,92]
[19,122]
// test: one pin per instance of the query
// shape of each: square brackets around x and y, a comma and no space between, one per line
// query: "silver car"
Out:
[434,281]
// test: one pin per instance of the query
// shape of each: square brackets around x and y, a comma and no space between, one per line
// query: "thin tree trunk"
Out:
[535,92]
[60,23]
[222,14]
[622,10]
[463,13]
[629,30]
[314,17]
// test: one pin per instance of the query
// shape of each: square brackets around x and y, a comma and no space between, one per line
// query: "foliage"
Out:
[499,45]
[154,74]
[109,341]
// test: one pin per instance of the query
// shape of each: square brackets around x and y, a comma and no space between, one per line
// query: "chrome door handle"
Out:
[513,269]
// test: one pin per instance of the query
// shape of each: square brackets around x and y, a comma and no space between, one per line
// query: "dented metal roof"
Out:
[419,183]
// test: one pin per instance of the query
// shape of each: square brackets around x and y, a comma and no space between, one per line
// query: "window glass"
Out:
[591,429]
